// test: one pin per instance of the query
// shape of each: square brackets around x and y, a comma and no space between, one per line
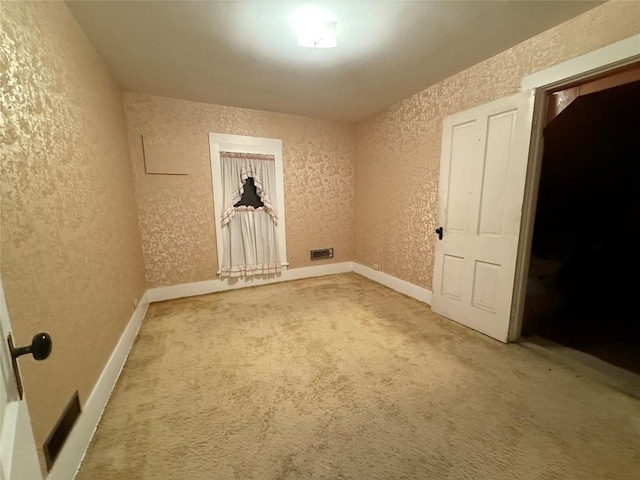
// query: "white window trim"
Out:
[243,144]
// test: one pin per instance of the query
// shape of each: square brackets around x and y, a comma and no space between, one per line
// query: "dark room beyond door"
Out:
[584,272]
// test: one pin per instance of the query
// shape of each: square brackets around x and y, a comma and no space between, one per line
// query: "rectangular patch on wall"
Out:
[61,431]
[163,157]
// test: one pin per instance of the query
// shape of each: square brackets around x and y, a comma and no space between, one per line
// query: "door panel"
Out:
[18,457]
[460,176]
[496,167]
[483,168]
[485,283]
[452,276]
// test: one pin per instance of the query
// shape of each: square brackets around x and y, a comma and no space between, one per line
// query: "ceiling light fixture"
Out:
[314,28]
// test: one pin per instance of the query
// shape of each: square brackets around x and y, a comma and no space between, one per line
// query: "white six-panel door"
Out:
[483,168]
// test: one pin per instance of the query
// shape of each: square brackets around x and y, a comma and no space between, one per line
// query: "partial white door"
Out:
[18,458]
[483,168]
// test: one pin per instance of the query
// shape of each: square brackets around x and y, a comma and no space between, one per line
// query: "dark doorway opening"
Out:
[584,275]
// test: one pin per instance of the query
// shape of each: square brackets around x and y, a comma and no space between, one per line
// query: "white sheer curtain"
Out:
[248,233]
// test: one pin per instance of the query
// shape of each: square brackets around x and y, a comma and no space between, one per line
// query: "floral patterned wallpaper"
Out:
[176,212]
[397,155]
[70,249]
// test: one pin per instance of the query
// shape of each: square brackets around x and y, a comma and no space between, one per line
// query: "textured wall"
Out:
[71,254]
[397,155]
[176,212]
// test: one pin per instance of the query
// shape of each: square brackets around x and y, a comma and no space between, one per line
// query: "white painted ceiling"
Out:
[244,53]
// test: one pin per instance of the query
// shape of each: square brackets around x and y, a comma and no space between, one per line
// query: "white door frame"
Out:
[603,60]
[18,455]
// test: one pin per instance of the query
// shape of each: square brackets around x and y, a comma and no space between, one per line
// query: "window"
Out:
[250,197]
[248,193]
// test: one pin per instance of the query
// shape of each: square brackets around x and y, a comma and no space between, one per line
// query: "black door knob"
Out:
[439,232]
[40,347]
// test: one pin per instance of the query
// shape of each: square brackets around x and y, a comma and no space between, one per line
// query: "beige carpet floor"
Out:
[340,378]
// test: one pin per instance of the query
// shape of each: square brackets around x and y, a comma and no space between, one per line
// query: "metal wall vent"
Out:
[61,431]
[322,253]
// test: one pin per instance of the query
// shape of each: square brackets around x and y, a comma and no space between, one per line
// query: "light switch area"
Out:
[163,156]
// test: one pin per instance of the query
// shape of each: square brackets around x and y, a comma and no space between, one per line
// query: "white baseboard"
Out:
[211,286]
[71,455]
[394,283]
